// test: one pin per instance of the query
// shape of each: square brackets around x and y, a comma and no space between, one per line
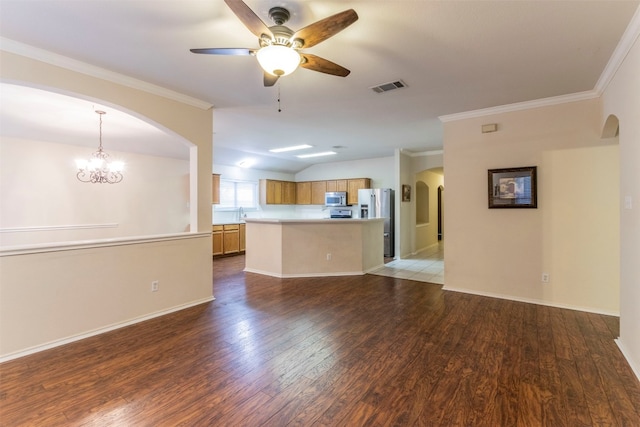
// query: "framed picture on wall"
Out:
[513,188]
[406,193]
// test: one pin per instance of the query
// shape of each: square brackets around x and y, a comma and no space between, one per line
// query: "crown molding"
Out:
[427,153]
[526,105]
[631,34]
[51,58]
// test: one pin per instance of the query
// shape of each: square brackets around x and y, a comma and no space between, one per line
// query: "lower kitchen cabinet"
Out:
[228,239]
[231,238]
[218,248]
[243,237]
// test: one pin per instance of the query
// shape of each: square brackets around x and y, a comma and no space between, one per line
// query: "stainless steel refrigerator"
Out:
[379,203]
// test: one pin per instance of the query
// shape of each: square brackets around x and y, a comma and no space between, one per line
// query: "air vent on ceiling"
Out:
[385,87]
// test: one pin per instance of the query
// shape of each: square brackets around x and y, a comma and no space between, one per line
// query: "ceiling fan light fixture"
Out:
[278,60]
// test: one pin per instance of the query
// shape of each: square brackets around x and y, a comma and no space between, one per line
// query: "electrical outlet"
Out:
[545,277]
[328,257]
[155,285]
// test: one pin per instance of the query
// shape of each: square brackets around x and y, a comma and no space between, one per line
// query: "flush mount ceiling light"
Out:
[246,163]
[324,153]
[98,169]
[292,148]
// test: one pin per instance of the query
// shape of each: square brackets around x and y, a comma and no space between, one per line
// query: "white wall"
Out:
[503,252]
[250,174]
[44,201]
[380,170]
[621,98]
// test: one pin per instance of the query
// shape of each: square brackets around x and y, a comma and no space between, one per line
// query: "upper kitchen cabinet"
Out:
[215,189]
[337,185]
[274,192]
[270,192]
[288,193]
[303,193]
[353,186]
[318,189]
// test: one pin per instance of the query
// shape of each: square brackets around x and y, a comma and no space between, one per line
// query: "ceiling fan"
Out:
[279,53]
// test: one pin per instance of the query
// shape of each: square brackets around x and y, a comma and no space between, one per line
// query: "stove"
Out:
[340,213]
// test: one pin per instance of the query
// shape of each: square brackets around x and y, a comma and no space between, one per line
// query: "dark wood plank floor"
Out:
[349,351]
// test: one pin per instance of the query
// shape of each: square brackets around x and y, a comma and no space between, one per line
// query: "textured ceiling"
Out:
[454,56]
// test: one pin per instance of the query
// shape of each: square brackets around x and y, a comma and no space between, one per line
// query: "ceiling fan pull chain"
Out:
[279,109]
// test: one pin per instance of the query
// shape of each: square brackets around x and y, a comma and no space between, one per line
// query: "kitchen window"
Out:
[235,194]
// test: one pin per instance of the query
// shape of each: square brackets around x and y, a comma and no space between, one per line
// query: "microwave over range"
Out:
[335,198]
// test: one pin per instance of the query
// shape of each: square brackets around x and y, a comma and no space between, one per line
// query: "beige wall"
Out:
[427,233]
[63,209]
[380,170]
[503,252]
[405,211]
[307,248]
[622,99]
[48,298]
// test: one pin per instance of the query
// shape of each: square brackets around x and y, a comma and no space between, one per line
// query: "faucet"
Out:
[241,213]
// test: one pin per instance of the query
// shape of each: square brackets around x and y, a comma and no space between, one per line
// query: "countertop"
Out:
[311,220]
[227,222]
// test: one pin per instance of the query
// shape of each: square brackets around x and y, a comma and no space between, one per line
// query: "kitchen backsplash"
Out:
[276,211]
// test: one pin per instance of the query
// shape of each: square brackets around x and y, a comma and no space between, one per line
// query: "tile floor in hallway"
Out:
[426,266]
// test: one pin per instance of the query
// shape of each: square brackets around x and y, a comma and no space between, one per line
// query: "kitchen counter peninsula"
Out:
[313,247]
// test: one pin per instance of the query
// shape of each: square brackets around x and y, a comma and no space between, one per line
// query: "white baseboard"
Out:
[288,276]
[625,353]
[73,338]
[532,301]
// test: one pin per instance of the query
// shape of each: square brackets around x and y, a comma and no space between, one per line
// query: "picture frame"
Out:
[513,188]
[406,193]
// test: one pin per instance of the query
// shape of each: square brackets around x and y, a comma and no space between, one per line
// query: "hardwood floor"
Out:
[347,351]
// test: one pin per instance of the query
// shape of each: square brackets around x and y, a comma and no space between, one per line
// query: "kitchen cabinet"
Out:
[217,232]
[243,237]
[275,192]
[231,238]
[318,189]
[270,192]
[337,185]
[228,239]
[215,189]
[353,186]
[288,193]
[303,193]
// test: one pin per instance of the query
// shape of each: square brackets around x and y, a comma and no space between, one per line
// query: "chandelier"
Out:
[98,169]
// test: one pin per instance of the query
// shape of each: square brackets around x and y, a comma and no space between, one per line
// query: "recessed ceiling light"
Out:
[324,153]
[246,163]
[292,148]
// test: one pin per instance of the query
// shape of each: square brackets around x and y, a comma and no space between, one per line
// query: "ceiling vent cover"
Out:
[386,87]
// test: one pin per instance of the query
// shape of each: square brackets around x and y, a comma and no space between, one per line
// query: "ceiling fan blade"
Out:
[240,51]
[249,18]
[270,79]
[316,63]
[325,28]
